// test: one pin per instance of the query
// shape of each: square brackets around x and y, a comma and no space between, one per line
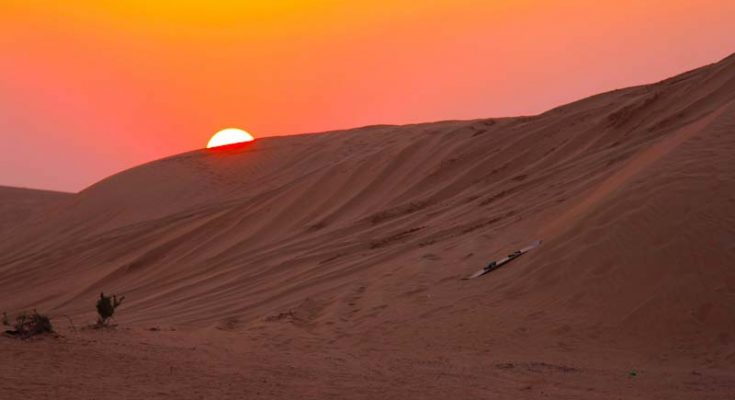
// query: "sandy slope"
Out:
[18,206]
[330,265]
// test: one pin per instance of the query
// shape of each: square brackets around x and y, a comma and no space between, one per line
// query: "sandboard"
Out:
[510,257]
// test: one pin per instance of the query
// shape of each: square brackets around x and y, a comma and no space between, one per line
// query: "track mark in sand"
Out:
[538,367]
[642,161]
[229,324]
[431,257]
[350,304]
[393,238]
[305,313]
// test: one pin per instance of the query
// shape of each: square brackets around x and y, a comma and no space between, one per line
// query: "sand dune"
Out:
[18,205]
[331,264]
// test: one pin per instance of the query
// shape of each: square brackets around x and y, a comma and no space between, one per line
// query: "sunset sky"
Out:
[91,87]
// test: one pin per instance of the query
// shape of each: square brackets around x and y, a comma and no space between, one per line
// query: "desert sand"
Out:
[330,265]
[19,204]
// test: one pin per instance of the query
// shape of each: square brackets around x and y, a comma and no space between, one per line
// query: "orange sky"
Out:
[91,87]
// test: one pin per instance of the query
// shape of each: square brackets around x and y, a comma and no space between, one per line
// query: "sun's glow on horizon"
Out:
[229,136]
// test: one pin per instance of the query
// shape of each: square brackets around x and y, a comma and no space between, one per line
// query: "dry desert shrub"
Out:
[106,306]
[27,325]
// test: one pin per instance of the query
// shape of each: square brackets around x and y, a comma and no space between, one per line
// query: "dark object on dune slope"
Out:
[27,325]
[106,306]
[497,264]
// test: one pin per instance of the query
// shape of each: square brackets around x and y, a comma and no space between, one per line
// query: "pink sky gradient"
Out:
[87,90]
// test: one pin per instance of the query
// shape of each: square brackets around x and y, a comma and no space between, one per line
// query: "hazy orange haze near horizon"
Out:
[91,87]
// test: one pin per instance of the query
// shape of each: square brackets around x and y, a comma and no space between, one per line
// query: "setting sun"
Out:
[229,136]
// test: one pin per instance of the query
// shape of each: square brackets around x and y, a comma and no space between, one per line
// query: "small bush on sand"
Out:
[106,306]
[27,325]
